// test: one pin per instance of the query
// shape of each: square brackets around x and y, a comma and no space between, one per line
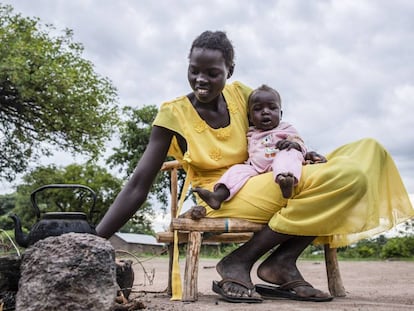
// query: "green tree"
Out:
[366,248]
[134,137]
[98,179]
[104,184]
[408,228]
[7,204]
[141,221]
[49,95]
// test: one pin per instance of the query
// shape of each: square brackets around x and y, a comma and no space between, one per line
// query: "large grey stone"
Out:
[9,273]
[9,279]
[73,271]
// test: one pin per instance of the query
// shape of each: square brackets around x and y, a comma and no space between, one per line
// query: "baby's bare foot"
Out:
[286,182]
[208,197]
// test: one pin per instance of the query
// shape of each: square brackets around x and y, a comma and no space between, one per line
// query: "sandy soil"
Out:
[379,286]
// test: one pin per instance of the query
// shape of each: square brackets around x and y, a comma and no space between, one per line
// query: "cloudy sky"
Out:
[345,69]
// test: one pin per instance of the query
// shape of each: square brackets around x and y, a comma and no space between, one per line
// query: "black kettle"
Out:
[54,223]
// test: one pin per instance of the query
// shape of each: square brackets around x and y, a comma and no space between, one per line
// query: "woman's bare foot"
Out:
[286,182]
[230,268]
[280,272]
[211,198]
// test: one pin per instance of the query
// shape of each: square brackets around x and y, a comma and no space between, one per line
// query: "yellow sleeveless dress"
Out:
[356,194]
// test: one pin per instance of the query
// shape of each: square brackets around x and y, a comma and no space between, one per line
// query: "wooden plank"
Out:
[215,225]
[228,237]
[168,237]
[168,165]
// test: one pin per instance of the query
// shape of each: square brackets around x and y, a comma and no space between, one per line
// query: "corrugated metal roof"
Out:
[135,238]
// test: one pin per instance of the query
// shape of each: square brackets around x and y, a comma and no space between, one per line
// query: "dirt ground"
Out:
[374,285]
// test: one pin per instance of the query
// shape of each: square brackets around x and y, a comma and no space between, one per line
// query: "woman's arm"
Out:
[135,191]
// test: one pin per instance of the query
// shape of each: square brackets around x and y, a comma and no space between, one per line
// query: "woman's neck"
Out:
[215,113]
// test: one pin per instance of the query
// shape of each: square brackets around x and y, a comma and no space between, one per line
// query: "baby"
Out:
[272,146]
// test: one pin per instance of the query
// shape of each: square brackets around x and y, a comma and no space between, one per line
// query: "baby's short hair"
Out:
[264,88]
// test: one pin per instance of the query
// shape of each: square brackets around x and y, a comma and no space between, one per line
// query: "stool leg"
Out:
[170,265]
[336,288]
[190,290]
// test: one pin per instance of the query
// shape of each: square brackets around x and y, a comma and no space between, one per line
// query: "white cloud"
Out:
[343,68]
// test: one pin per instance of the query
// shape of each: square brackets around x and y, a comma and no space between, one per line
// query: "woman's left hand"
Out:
[313,157]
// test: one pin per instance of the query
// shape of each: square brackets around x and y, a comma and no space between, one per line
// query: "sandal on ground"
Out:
[287,291]
[251,297]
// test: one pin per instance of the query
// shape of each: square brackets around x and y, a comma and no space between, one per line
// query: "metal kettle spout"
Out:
[20,237]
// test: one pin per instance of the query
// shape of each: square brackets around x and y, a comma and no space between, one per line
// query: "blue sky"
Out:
[344,68]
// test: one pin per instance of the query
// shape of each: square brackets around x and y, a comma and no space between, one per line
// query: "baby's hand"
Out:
[287,144]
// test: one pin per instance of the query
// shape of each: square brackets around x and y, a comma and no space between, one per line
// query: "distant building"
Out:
[136,243]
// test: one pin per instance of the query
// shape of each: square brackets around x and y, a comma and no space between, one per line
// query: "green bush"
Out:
[402,247]
[368,248]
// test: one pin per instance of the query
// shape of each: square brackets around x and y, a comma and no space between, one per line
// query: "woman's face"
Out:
[207,74]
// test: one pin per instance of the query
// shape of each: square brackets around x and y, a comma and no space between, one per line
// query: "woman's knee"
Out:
[354,179]
[342,172]
[374,144]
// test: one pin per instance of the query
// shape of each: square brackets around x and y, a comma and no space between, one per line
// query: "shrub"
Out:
[402,247]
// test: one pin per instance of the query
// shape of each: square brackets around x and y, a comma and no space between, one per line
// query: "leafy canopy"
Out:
[98,179]
[134,137]
[103,184]
[49,95]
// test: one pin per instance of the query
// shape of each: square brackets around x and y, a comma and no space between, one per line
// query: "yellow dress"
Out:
[356,194]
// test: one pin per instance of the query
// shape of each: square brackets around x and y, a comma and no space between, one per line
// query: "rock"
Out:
[9,273]
[73,271]
[130,306]
[125,276]
[9,279]
[7,300]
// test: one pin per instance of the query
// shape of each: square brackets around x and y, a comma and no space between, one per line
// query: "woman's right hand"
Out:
[195,213]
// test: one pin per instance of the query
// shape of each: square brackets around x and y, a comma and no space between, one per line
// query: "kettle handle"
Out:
[55,186]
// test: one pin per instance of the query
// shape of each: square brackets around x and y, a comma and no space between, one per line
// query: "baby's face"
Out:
[264,110]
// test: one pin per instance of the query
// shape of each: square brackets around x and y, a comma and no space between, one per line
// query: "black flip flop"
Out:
[218,289]
[286,291]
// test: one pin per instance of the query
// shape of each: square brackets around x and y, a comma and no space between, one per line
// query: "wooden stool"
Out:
[224,230]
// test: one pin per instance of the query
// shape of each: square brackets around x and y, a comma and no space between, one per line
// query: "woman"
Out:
[356,194]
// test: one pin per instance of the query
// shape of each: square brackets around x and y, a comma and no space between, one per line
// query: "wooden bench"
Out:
[223,230]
